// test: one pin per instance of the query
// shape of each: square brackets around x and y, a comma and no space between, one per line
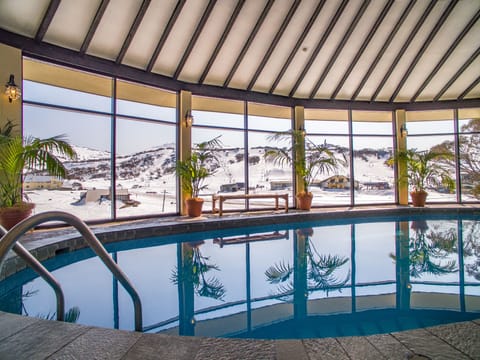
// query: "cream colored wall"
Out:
[10,63]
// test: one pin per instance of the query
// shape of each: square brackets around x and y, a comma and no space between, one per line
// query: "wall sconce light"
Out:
[302,131]
[188,119]
[403,131]
[12,90]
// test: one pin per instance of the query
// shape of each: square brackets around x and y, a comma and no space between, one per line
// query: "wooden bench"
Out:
[222,198]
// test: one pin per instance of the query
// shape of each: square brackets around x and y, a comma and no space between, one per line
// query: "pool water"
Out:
[300,280]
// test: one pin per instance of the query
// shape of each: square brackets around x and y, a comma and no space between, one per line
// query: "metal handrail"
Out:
[8,241]
[43,272]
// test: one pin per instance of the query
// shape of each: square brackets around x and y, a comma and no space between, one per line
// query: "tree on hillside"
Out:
[469,140]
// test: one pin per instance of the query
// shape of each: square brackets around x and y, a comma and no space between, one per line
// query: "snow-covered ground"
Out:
[149,179]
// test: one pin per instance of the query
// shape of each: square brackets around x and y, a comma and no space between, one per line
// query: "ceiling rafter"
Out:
[319,46]
[424,47]
[445,57]
[47,19]
[406,44]
[459,72]
[166,33]
[299,43]
[469,88]
[384,48]
[93,26]
[274,43]
[218,47]
[193,40]
[339,47]
[249,41]
[360,51]
[133,30]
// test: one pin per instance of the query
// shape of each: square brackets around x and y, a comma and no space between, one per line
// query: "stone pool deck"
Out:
[31,338]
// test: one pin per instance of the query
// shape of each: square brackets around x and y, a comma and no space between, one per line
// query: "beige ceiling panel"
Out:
[67,78]
[22,16]
[148,33]
[217,105]
[179,37]
[113,28]
[285,46]
[463,82]
[280,112]
[410,53]
[326,114]
[454,25]
[309,82]
[390,54]
[232,47]
[207,41]
[309,44]
[429,115]
[350,49]
[260,44]
[70,24]
[145,94]
[375,45]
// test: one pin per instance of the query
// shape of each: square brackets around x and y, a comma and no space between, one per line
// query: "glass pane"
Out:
[147,111]
[470,166]
[86,191]
[372,128]
[326,127]
[230,174]
[332,187]
[209,118]
[146,181]
[49,94]
[436,193]
[374,179]
[265,174]
[430,127]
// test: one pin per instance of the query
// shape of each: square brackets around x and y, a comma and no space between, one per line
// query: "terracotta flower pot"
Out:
[304,201]
[419,198]
[11,216]
[194,207]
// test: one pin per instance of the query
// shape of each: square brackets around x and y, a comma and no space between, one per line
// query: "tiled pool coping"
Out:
[29,338]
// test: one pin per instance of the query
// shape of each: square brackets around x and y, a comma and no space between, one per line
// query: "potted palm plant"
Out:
[424,168]
[194,171]
[18,155]
[308,159]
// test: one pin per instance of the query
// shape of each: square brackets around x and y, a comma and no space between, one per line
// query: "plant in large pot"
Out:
[19,155]
[195,170]
[425,169]
[308,159]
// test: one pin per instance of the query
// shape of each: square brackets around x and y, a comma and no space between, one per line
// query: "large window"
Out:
[372,148]
[331,128]
[433,131]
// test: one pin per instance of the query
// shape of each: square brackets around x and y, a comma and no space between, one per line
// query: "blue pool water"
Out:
[300,280]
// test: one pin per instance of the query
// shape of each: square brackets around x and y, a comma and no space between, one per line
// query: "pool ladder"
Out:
[9,241]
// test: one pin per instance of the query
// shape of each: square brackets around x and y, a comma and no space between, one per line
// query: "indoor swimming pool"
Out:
[298,280]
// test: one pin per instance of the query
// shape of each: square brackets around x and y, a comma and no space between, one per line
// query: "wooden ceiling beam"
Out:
[362,49]
[220,43]
[93,26]
[319,46]
[133,30]
[193,40]
[339,47]
[249,41]
[424,47]
[47,19]
[445,57]
[274,43]
[299,43]
[166,33]
[404,48]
